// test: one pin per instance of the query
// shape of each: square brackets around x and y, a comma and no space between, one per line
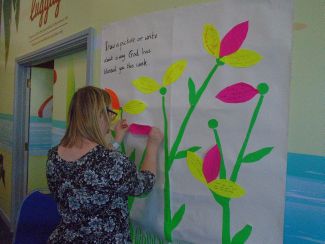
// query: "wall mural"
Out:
[6,9]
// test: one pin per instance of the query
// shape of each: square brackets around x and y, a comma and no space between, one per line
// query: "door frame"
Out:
[83,40]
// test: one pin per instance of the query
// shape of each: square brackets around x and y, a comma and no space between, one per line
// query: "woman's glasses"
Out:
[112,113]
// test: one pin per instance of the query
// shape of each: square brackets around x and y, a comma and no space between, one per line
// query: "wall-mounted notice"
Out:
[214,78]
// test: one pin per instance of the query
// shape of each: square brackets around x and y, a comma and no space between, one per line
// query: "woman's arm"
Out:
[150,161]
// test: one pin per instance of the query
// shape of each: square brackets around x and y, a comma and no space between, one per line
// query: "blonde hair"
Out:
[87,106]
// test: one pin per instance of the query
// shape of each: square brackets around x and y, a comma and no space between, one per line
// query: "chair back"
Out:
[37,219]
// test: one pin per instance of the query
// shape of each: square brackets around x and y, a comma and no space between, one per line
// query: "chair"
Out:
[37,219]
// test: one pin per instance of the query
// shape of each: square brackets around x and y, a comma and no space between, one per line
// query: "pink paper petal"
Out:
[138,129]
[233,40]
[211,164]
[237,93]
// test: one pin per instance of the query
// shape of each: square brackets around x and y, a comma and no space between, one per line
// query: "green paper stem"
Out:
[170,157]
[132,198]
[226,222]
[121,110]
[223,172]
[166,146]
[167,210]
[225,205]
[189,113]
[123,147]
[238,163]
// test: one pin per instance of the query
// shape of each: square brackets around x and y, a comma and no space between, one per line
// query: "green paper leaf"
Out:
[142,158]
[191,90]
[255,156]
[178,217]
[132,156]
[242,236]
[183,153]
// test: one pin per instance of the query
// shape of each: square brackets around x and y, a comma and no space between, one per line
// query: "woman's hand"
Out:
[121,128]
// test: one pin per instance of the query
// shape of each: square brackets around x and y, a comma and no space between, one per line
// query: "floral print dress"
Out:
[92,194]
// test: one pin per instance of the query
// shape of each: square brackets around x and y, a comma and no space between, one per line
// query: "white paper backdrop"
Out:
[177,34]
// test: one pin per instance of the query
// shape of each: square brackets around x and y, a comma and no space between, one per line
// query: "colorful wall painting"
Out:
[196,74]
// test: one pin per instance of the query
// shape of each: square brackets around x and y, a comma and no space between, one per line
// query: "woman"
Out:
[90,181]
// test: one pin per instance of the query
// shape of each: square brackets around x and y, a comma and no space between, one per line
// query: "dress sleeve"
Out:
[128,179]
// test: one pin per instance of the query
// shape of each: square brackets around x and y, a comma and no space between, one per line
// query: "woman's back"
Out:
[92,192]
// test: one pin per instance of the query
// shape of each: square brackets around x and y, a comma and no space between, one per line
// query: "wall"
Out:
[306,126]
[304,212]
[30,36]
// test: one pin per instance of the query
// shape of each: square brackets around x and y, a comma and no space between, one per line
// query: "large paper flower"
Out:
[228,49]
[206,171]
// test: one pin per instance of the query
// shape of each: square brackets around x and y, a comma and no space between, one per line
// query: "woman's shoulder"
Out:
[52,150]
[112,155]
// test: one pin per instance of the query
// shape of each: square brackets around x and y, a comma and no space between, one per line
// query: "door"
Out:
[50,96]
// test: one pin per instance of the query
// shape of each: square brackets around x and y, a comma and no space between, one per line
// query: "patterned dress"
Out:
[92,194]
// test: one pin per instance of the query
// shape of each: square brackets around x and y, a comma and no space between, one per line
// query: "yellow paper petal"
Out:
[242,58]
[174,71]
[135,107]
[194,163]
[211,40]
[146,85]
[226,188]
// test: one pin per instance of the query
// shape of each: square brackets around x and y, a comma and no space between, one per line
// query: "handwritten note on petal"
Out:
[226,188]
[211,40]
[114,98]
[194,163]
[237,93]
[138,129]
[233,40]
[146,85]
[174,72]
[211,164]
[243,58]
[135,107]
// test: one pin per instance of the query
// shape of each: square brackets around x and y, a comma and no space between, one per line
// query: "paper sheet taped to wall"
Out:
[214,78]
